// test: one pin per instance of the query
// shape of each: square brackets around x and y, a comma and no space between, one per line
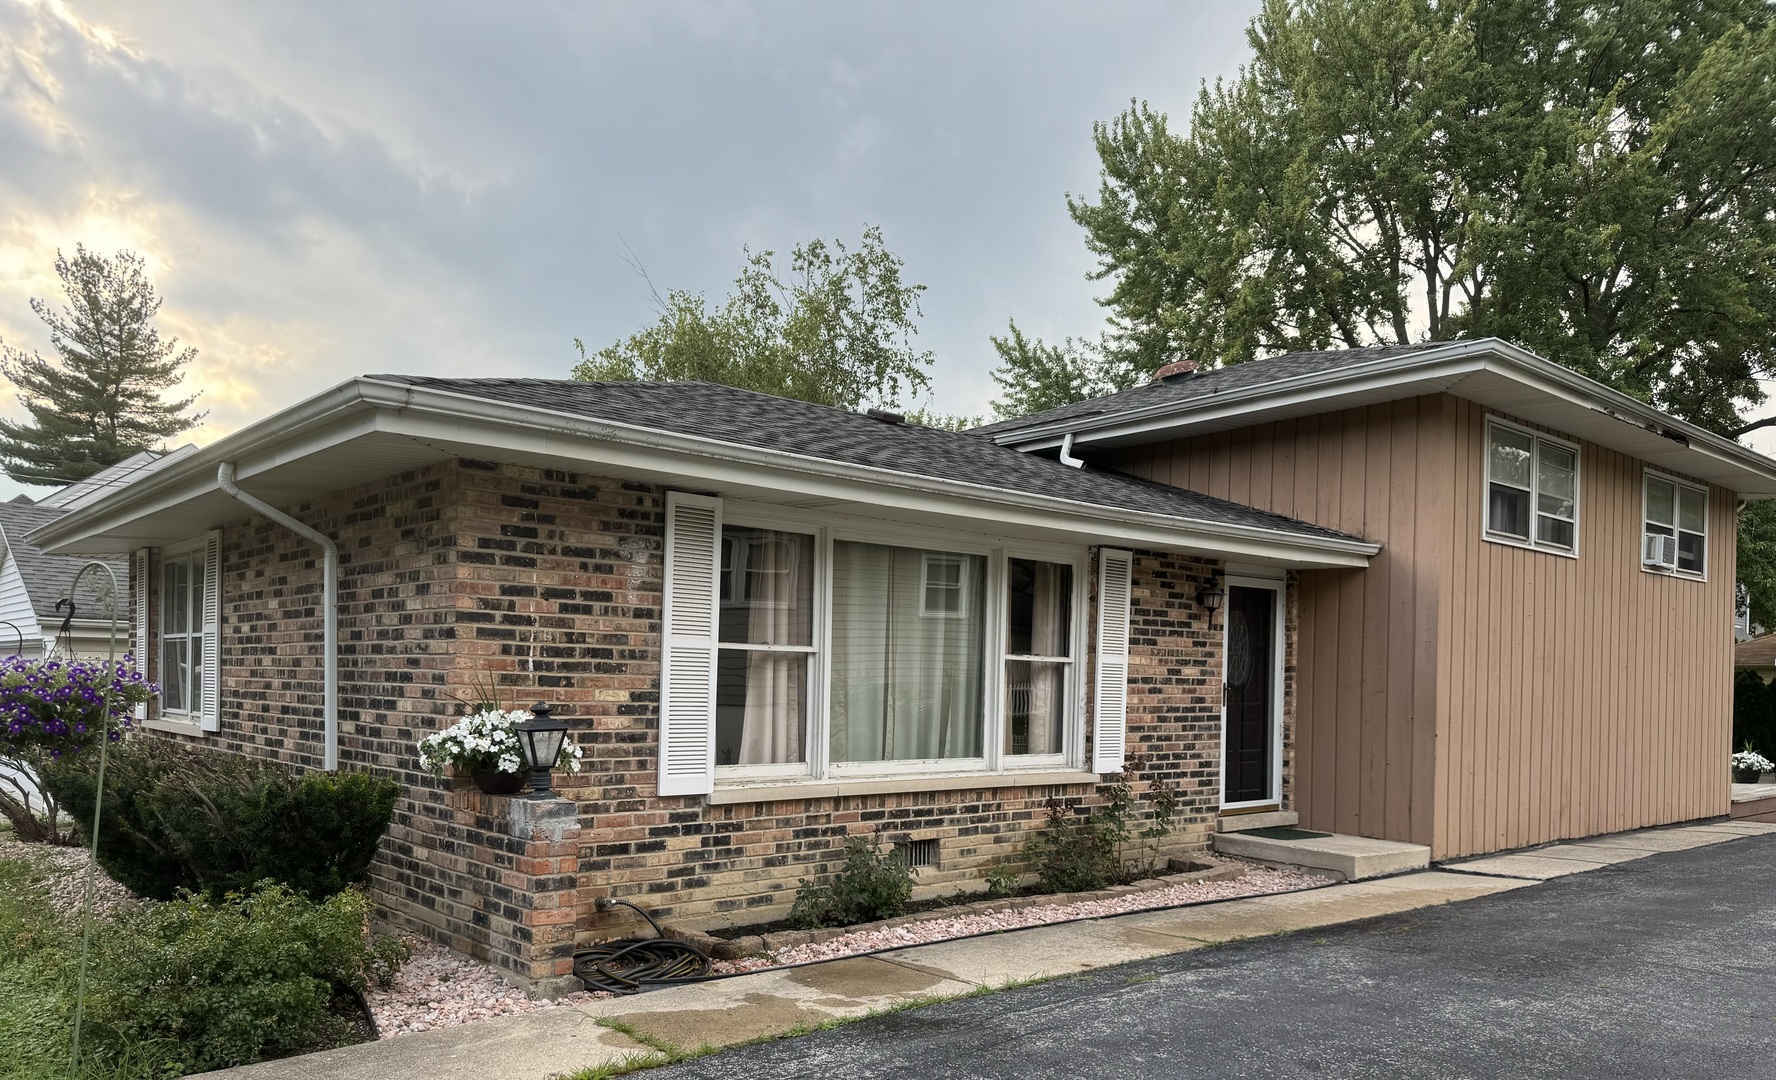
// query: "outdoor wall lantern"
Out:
[541,737]
[1210,599]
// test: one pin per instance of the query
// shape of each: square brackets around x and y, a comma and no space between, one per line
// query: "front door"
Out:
[1246,768]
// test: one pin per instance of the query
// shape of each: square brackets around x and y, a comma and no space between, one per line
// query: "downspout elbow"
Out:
[225,480]
[1067,457]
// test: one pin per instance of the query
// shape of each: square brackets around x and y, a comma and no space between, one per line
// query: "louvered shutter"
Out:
[139,598]
[210,716]
[688,648]
[1110,715]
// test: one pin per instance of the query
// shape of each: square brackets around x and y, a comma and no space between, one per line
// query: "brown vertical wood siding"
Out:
[1597,697]
[1469,695]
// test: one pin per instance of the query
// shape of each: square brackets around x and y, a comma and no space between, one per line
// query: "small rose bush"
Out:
[486,741]
[55,707]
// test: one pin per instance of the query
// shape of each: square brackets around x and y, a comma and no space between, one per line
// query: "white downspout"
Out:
[329,607]
[1067,457]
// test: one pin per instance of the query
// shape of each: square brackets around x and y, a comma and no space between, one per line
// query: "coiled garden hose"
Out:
[632,966]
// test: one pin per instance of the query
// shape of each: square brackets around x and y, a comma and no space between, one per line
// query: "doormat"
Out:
[1283,832]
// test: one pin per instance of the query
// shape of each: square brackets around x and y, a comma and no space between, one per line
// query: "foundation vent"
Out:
[921,854]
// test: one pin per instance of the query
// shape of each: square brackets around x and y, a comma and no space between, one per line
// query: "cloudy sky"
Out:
[328,189]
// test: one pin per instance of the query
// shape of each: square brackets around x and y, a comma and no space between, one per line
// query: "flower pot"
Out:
[1740,776]
[499,783]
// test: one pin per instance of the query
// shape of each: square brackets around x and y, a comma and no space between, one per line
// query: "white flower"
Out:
[1749,759]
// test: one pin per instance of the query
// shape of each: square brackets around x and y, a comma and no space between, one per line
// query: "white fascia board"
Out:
[1425,372]
[363,406]
[439,416]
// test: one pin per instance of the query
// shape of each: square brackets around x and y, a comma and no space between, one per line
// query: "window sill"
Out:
[174,727]
[893,785]
[1526,545]
[1675,575]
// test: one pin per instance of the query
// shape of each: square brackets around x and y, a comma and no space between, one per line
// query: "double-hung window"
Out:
[1532,489]
[1676,534]
[799,647]
[186,662]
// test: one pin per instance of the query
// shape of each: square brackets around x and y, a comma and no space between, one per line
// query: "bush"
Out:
[241,980]
[1074,853]
[218,823]
[872,885]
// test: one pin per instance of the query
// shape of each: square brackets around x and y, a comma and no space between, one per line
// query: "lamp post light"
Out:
[541,737]
[1211,598]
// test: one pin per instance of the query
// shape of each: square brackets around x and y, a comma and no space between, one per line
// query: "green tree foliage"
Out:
[837,331]
[1034,376]
[1593,180]
[99,400]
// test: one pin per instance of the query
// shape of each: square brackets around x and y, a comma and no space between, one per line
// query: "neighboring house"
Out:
[1757,656]
[32,583]
[1464,599]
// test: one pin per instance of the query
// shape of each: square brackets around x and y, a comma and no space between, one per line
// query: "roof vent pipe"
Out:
[1067,457]
[329,608]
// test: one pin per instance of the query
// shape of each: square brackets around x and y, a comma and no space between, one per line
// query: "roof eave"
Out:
[451,418]
[1328,388]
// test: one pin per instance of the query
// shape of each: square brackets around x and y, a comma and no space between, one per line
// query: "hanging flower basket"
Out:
[54,707]
[484,745]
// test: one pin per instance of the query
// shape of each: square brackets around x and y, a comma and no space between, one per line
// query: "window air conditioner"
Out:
[1659,551]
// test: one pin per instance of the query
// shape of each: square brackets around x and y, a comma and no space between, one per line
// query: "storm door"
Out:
[1248,759]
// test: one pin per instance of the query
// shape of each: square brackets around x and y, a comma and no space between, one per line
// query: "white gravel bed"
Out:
[67,878]
[1256,881]
[440,988]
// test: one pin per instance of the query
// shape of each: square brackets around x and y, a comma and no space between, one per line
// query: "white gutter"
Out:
[329,607]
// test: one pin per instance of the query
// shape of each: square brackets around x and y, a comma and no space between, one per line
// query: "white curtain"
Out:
[772,722]
[1048,637]
[907,680]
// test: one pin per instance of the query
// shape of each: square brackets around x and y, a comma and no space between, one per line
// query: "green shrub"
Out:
[243,979]
[1119,842]
[218,823]
[873,884]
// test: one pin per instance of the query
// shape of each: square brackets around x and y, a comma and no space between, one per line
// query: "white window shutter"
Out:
[139,597]
[1110,715]
[210,716]
[688,646]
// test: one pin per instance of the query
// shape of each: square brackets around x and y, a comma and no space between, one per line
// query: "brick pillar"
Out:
[529,873]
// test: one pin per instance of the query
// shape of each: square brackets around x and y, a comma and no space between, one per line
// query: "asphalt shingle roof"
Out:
[1215,381]
[1758,652]
[47,577]
[747,418]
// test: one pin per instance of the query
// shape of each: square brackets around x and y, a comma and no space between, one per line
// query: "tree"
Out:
[1594,180]
[99,401]
[1034,376]
[837,332]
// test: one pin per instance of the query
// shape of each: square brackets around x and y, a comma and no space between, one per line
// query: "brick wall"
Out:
[548,585]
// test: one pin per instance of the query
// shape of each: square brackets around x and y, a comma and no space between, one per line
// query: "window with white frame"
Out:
[1038,655]
[1532,489]
[765,634]
[823,658]
[186,658]
[1676,537]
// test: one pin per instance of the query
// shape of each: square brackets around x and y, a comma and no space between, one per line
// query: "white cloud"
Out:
[329,189]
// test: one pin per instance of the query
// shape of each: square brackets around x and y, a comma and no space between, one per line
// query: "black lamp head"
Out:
[541,738]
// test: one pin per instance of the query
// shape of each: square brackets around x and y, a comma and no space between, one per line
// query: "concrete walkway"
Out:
[656,1027]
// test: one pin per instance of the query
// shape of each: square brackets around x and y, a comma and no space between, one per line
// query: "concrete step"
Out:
[1353,857]
[1270,819]
[1754,800]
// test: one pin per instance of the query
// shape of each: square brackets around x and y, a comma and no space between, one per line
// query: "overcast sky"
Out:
[330,189]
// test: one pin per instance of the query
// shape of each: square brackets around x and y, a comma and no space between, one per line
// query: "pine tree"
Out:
[99,401]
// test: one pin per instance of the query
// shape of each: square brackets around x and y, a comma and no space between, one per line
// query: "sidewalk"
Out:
[653,1028]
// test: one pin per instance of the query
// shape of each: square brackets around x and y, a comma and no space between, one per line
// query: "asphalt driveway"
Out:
[1664,967]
